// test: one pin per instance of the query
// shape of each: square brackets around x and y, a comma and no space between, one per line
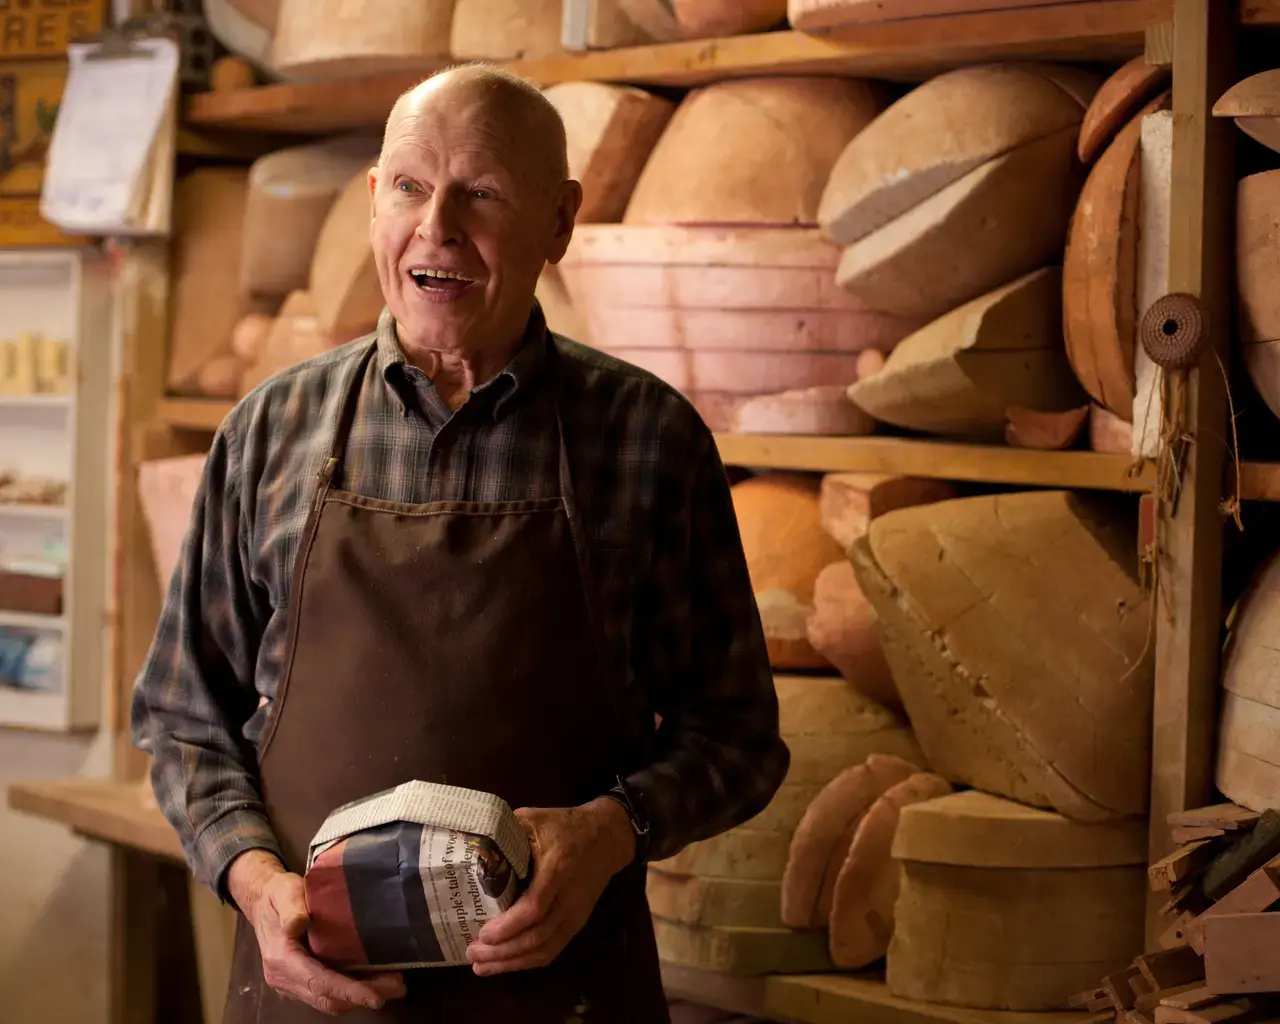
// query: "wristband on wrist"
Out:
[636,815]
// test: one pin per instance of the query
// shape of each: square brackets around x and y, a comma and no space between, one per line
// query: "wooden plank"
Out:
[840,998]
[102,809]
[1190,560]
[1224,816]
[721,991]
[1095,30]
[938,459]
[1240,953]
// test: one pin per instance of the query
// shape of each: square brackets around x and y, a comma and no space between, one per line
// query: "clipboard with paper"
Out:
[110,164]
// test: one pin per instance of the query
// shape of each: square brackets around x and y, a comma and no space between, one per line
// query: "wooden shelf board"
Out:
[193,413]
[100,809]
[838,998]
[28,620]
[1095,30]
[945,460]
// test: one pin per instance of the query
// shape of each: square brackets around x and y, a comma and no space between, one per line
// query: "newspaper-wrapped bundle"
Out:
[408,877]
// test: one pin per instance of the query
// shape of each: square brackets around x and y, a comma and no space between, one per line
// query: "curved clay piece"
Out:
[1038,691]
[1115,103]
[978,830]
[237,27]
[250,335]
[823,410]
[505,29]
[1045,431]
[653,17]
[1099,272]
[785,548]
[610,131]
[1255,105]
[740,373]
[934,136]
[870,362]
[344,279]
[842,628]
[1109,433]
[1000,221]
[332,38]
[1258,256]
[861,922]
[847,502]
[815,847]
[751,151]
[220,376]
[229,74]
[959,375]
[703,19]
[291,192]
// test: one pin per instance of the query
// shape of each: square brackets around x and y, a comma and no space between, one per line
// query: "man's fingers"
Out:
[536,904]
[522,955]
[293,972]
[527,941]
[288,904]
[388,985]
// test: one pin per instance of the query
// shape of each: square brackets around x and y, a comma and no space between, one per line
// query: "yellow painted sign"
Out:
[42,28]
[29,96]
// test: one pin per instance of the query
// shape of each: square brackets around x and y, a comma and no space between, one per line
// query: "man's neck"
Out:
[456,373]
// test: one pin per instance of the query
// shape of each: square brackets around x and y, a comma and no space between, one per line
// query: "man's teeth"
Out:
[445,275]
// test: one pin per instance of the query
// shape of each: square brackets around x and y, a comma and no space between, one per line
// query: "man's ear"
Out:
[568,203]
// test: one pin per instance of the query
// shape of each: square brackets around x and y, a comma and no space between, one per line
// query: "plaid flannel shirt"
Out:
[678,622]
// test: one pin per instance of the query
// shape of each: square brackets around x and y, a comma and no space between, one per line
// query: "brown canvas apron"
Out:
[450,642]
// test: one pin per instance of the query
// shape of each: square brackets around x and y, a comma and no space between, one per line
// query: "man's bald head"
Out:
[516,108]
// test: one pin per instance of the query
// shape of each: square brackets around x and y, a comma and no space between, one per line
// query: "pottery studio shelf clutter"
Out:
[906,270]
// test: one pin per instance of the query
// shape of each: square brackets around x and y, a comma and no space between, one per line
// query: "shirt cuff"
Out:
[223,840]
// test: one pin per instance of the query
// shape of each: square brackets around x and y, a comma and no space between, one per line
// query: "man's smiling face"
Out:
[470,202]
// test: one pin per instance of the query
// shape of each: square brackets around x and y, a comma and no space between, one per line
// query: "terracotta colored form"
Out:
[848,502]
[505,29]
[1003,219]
[332,38]
[1045,431]
[959,375]
[166,490]
[1003,907]
[1041,693]
[741,951]
[344,279]
[290,193]
[714,902]
[1108,432]
[842,628]
[821,410]
[862,907]
[1248,769]
[817,14]
[699,19]
[1121,96]
[654,17]
[786,548]
[727,314]
[1254,103]
[821,841]
[610,130]
[751,151]
[295,335]
[938,133]
[1100,272]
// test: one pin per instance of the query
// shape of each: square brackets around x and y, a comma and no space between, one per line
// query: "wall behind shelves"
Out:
[53,891]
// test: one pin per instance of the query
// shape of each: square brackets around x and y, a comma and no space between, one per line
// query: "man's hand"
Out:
[575,853]
[273,901]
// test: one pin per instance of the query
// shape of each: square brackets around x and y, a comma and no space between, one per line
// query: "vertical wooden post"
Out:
[1200,259]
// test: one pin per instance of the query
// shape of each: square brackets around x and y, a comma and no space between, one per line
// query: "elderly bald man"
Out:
[466,550]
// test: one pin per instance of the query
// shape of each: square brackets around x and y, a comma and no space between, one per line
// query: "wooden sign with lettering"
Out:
[42,28]
[30,92]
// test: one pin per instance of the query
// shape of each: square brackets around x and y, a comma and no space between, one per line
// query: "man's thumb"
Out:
[290,906]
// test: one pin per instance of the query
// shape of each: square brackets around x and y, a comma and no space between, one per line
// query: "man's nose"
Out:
[441,223]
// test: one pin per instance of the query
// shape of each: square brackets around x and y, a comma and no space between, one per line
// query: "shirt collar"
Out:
[516,376]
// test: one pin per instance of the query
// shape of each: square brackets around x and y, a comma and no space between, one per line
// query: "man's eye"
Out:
[481,193]
[406,186]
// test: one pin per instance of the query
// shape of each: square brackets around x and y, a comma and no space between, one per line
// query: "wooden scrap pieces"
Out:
[1257,893]
[1242,953]
[1175,868]
[1248,853]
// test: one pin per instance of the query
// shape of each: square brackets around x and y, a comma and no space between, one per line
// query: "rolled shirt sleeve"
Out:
[700,648]
[196,688]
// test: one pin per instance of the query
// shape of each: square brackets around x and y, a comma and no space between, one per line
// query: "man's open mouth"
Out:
[440,280]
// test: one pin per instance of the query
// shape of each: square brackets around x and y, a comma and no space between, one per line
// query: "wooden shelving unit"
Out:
[1195,36]
[64,296]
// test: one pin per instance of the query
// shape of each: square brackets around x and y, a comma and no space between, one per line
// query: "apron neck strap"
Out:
[331,471]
